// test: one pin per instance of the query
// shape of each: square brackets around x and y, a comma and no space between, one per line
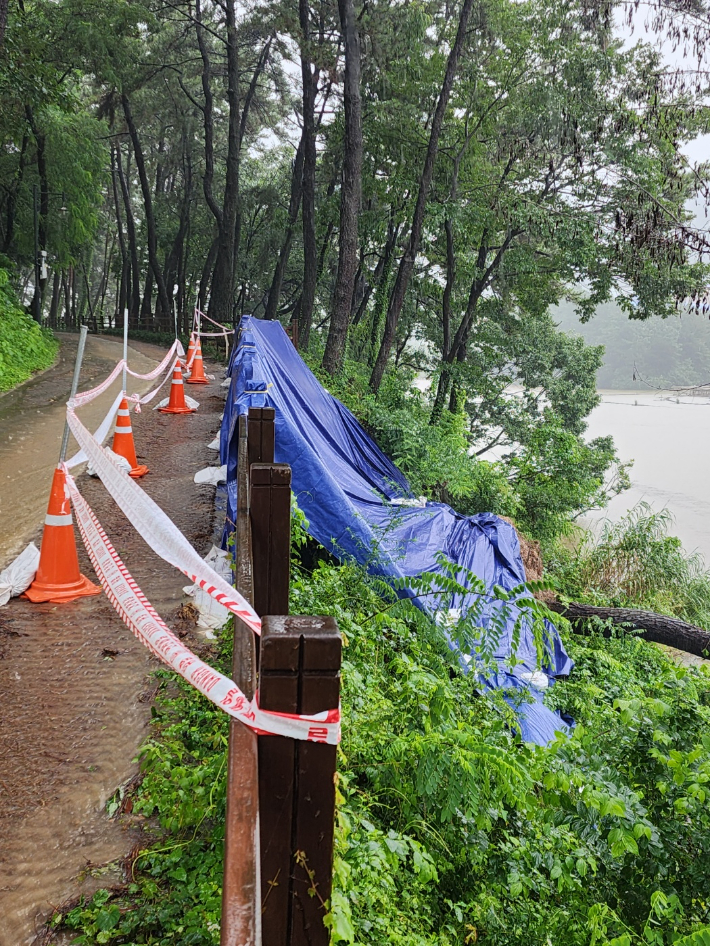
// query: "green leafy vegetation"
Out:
[24,346]
[450,830]
[636,563]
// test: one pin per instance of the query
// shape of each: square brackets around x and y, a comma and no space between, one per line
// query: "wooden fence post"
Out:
[299,673]
[241,892]
[270,510]
[261,435]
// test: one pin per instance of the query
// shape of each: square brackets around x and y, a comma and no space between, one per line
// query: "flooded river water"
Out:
[668,439]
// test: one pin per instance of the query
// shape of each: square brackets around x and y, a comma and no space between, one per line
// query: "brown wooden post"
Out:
[299,673]
[270,509]
[241,895]
[261,435]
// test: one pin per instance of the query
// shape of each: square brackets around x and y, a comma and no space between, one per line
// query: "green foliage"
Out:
[24,346]
[635,562]
[450,830]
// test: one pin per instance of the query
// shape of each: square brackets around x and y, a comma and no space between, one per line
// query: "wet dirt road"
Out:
[75,685]
[32,422]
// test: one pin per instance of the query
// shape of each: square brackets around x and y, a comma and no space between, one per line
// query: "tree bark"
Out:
[308,195]
[406,264]
[133,286]
[445,377]
[350,193]
[12,194]
[294,203]
[163,301]
[3,21]
[54,306]
[658,628]
[207,119]
[40,142]
[223,276]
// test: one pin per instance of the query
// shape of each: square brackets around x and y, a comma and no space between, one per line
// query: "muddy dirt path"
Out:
[75,685]
[32,421]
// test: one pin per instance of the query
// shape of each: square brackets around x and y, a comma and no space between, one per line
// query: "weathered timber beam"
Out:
[658,628]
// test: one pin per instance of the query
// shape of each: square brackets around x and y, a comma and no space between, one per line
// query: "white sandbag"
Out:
[213,615]
[212,475]
[226,383]
[214,445]
[535,677]
[18,575]
[122,462]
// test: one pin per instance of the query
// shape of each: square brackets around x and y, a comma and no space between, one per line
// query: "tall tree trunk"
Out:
[67,301]
[133,290]
[309,78]
[54,306]
[406,264]
[381,291]
[350,193]
[163,301]
[206,270]
[207,117]
[221,296]
[40,142]
[12,196]
[3,21]
[444,384]
[146,315]
[294,203]
[125,272]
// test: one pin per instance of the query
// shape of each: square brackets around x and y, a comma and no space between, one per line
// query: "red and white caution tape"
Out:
[100,433]
[157,529]
[147,625]
[85,397]
[147,398]
[175,348]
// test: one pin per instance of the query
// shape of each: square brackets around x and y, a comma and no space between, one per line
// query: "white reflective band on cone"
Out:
[124,413]
[177,380]
[58,520]
[123,430]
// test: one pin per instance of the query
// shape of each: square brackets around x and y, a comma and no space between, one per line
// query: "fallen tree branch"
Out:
[654,627]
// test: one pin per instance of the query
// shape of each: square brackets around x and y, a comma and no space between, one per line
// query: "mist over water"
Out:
[669,443]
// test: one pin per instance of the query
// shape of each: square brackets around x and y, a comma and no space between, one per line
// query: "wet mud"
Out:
[75,685]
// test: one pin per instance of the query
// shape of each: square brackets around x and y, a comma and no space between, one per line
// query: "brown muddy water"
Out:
[75,685]
[666,437]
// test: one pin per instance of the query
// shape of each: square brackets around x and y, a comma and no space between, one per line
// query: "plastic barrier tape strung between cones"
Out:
[147,625]
[152,524]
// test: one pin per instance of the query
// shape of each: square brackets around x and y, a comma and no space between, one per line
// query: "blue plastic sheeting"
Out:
[351,494]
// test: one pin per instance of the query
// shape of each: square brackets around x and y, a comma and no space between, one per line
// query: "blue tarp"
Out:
[352,495]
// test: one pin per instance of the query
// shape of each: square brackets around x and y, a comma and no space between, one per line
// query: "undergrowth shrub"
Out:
[450,830]
[24,346]
[636,563]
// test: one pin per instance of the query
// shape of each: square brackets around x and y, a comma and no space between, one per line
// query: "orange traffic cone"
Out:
[188,361]
[123,443]
[58,578]
[177,404]
[197,375]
